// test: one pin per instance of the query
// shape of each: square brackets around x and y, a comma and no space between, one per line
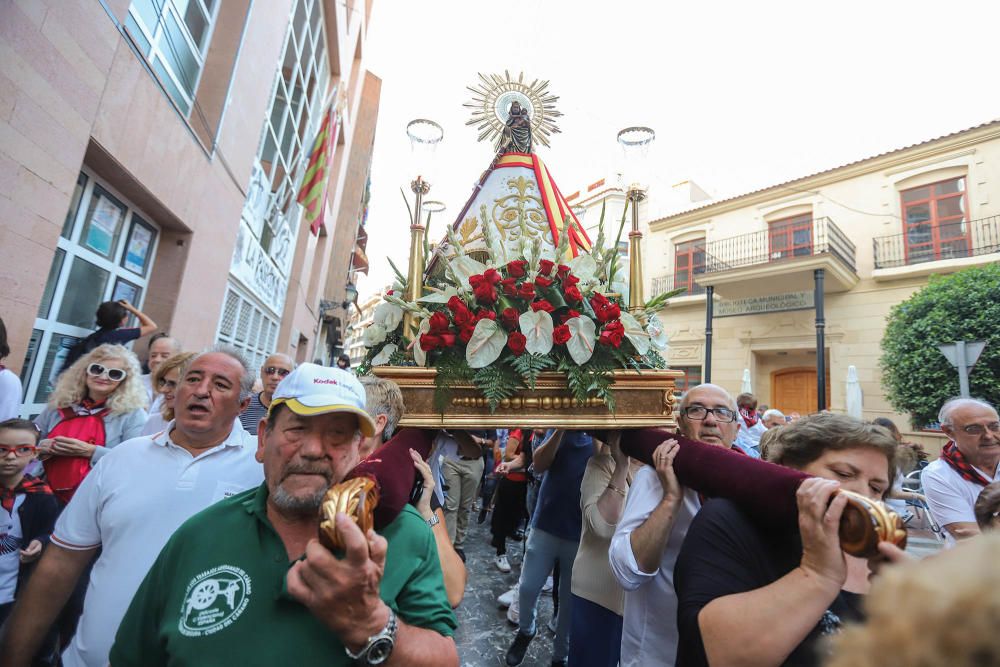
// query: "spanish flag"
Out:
[313,193]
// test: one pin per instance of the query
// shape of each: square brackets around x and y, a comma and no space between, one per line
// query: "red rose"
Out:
[485,314]
[517,268]
[448,339]
[509,317]
[389,292]
[465,335]
[573,295]
[509,286]
[604,309]
[570,314]
[560,334]
[439,323]
[484,292]
[542,304]
[460,312]
[562,271]
[612,312]
[598,301]
[526,291]
[570,280]
[476,280]
[492,276]
[542,281]
[545,267]
[429,342]
[516,342]
[612,334]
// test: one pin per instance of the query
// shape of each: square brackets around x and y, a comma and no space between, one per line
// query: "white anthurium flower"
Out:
[635,333]
[537,329]
[582,339]
[486,345]
[419,355]
[382,358]
[464,266]
[374,334]
[657,334]
[439,297]
[583,267]
[389,315]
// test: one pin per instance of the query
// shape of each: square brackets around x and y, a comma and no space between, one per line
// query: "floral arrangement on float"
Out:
[499,323]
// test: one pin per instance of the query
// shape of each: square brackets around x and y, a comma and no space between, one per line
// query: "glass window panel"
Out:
[209,6]
[146,12]
[681,278]
[949,187]
[315,16]
[243,322]
[172,89]
[918,234]
[779,241]
[918,213]
[299,22]
[950,207]
[917,194]
[139,247]
[952,230]
[271,337]
[29,360]
[104,223]
[127,291]
[682,260]
[50,283]
[55,356]
[74,206]
[176,52]
[197,24]
[85,291]
[229,313]
[802,237]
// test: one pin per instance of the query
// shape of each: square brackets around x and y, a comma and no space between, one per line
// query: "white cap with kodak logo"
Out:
[318,390]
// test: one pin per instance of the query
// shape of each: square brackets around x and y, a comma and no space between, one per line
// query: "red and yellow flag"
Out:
[313,193]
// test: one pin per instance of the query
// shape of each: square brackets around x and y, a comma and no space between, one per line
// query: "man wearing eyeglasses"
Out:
[274,370]
[658,511]
[968,462]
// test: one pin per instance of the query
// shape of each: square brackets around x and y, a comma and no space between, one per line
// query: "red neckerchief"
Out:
[90,404]
[956,459]
[28,484]
[749,416]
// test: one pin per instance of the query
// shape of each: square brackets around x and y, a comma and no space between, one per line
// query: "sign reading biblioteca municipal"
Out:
[771,303]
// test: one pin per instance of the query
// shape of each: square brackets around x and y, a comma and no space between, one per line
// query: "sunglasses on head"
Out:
[113,374]
[19,450]
[271,370]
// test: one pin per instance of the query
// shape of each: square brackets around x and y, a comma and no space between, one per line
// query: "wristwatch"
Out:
[433,521]
[379,647]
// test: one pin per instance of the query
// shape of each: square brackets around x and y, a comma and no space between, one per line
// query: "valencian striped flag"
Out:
[313,193]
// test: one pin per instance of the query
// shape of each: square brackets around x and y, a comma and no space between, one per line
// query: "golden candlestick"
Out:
[415,269]
[636,302]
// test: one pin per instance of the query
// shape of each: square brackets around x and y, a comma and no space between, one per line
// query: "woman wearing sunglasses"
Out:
[98,403]
[164,381]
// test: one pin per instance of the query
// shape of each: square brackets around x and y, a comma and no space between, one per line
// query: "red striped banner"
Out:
[313,193]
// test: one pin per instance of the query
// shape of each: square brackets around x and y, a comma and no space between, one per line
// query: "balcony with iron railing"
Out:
[928,243]
[667,283]
[781,259]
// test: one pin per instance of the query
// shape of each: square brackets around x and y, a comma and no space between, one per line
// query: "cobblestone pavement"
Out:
[484,634]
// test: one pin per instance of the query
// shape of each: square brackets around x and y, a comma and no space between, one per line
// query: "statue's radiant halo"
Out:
[491,102]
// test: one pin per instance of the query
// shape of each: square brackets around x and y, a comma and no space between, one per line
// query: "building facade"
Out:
[873,231]
[152,150]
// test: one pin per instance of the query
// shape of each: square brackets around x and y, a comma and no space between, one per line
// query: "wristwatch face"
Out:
[379,651]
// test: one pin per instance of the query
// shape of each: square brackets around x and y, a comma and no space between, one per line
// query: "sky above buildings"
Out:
[741,95]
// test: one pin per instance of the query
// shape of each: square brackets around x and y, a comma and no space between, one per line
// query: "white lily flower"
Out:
[389,315]
[582,340]
[537,329]
[486,345]
[657,334]
[419,355]
[374,334]
[635,333]
[382,357]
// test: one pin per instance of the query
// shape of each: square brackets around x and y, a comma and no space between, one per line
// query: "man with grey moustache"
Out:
[131,503]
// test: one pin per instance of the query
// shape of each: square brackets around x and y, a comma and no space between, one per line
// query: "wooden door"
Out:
[794,390]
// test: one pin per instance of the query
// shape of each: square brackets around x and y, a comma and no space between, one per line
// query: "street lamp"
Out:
[425,135]
[635,143]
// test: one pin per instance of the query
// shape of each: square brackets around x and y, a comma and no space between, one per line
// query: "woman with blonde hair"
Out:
[164,381]
[98,403]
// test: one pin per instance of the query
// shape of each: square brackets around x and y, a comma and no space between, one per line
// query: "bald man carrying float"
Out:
[274,370]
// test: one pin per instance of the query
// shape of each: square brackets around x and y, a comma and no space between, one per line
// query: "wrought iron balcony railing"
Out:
[819,236]
[931,243]
[667,283]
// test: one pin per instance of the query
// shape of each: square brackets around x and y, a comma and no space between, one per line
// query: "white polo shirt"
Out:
[649,628]
[950,497]
[130,504]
